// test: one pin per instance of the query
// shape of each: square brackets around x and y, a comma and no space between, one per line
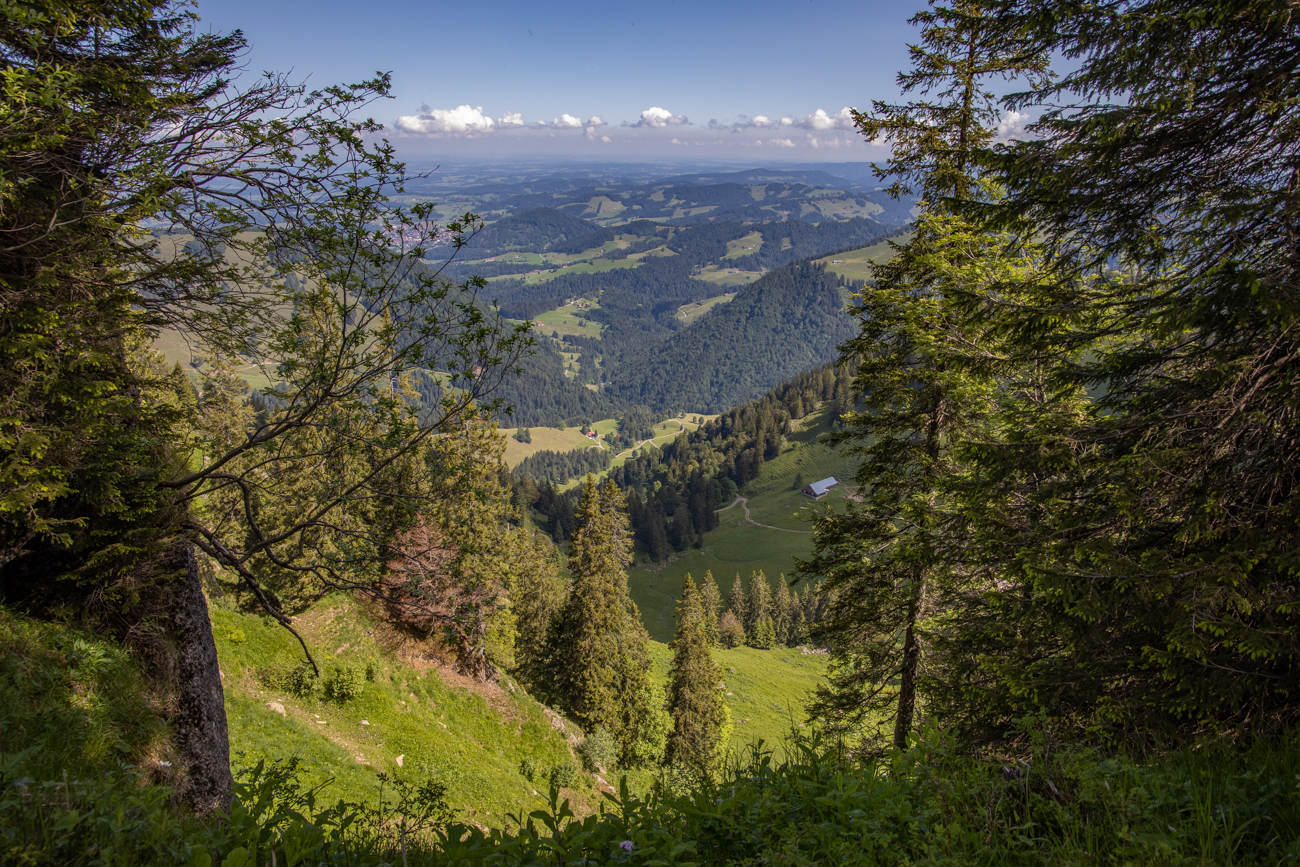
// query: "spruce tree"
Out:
[694,699]
[798,622]
[598,646]
[781,613]
[1152,585]
[886,558]
[738,604]
[764,636]
[711,598]
[759,605]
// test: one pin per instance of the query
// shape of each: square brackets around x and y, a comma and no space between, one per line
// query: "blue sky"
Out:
[597,79]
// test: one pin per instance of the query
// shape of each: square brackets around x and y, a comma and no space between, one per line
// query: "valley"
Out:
[434,453]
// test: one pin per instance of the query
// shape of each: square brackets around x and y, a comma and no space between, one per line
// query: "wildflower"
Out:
[626,846]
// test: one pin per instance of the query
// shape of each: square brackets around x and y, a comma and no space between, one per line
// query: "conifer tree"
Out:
[885,558]
[764,636]
[738,604]
[537,595]
[1152,587]
[598,646]
[711,598]
[781,612]
[759,604]
[694,698]
[798,622]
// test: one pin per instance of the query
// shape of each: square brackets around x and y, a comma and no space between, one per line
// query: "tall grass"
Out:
[934,804]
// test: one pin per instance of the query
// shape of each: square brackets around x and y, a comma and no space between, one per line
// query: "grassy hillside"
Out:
[688,313]
[79,702]
[470,735]
[856,264]
[571,438]
[766,690]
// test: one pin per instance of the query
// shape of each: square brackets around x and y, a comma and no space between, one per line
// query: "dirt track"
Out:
[744,502]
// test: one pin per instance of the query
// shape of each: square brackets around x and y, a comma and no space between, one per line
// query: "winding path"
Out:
[681,429]
[744,503]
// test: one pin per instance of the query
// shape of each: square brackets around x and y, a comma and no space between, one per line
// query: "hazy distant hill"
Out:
[811,194]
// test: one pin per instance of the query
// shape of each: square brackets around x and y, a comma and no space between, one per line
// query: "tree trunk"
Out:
[907,679]
[200,717]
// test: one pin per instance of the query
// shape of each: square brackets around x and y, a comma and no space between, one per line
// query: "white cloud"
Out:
[675,141]
[758,121]
[660,117]
[462,120]
[780,142]
[469,121]
[1012,125]
[606,138]
[821,121]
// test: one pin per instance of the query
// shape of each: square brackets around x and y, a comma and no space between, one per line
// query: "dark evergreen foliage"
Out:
[560,467]
[789,320]
[694,698]
[531,230]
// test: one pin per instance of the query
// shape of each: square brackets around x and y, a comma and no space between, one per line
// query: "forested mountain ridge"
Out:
[786,321]
[790,320]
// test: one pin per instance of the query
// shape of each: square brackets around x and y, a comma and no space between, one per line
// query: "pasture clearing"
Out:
[595,266]
[568,440]
[738,546]
[568,320]
[858,264]
[766,690]
[688,313]
[720,276]
[746,246]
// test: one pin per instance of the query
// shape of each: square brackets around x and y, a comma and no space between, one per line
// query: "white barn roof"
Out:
[818,489]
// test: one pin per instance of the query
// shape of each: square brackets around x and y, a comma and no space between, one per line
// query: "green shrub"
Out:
[342,683]
[528,768]
[599,752]
[301,680]
[564,774]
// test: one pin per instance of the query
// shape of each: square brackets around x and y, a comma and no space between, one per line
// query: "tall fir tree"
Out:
[781,612]
[711,598]
[798,621]
[694,699]
[600,664]
[758,609]
[884,559]
[738,602]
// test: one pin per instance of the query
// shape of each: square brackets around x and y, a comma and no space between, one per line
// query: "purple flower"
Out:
[626,846]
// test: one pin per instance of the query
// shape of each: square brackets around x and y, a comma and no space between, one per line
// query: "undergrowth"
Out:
[933,804]
[83,702]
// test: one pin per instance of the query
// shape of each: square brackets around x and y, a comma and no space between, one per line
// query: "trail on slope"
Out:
[681,429]
[744,502]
